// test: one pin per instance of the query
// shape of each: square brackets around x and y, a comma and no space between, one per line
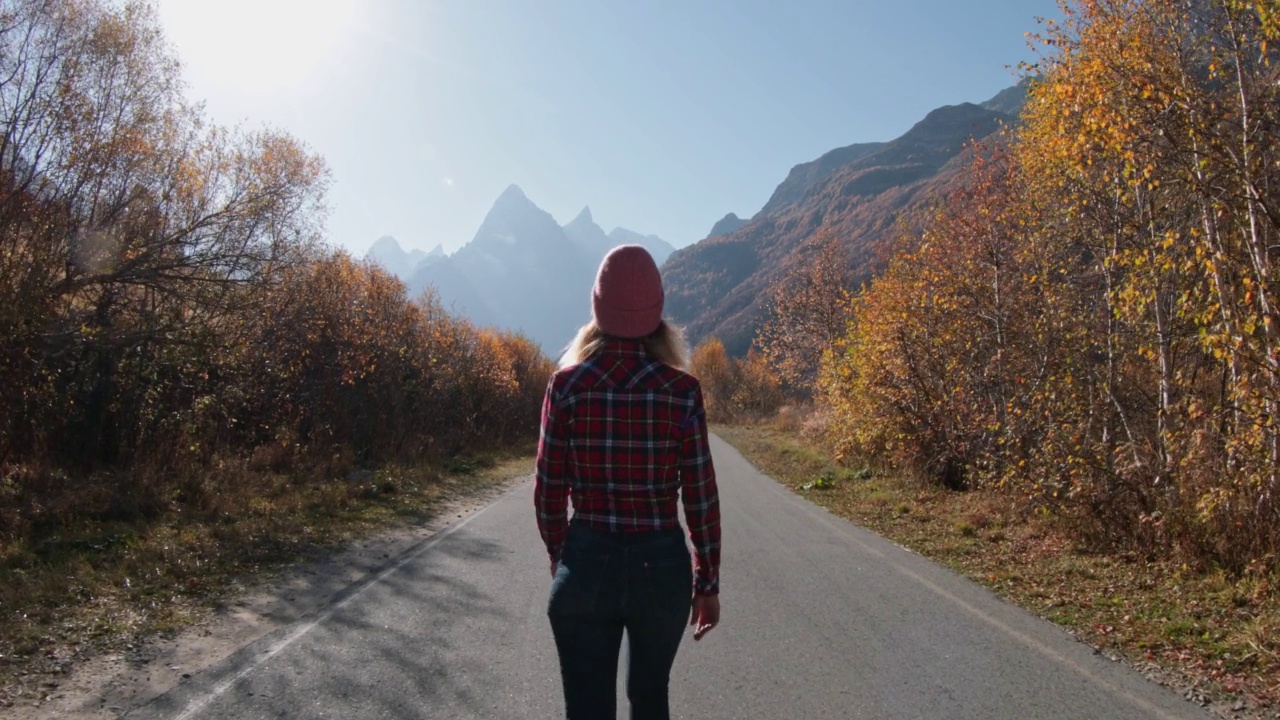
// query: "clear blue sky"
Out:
[662,116]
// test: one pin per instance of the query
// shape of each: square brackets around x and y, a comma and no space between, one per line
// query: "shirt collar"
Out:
[624,346]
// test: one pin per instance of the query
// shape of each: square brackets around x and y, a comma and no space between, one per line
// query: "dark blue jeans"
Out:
[607,583]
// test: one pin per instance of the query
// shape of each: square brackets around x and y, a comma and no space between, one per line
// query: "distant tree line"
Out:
[166,301]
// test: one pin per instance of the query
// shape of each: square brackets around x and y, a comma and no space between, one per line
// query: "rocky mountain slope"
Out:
[718,286]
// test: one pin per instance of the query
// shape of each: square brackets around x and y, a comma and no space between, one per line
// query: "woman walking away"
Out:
[624,435]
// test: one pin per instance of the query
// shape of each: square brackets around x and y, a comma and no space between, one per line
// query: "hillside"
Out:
[717,286]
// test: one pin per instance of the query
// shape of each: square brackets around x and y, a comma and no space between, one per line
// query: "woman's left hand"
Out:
[704,615]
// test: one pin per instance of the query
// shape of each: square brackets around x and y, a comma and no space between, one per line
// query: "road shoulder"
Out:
[108,685]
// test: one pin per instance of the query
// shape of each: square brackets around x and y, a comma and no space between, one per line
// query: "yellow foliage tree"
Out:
[1094,319]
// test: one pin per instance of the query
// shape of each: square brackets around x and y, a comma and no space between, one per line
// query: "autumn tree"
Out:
[128,228]
[808,310]
[735,389]
[166,301]
[1092,320]
[1145,133]
[952,346]
[714,369]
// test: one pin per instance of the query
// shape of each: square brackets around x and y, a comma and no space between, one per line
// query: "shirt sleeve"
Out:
[701,499]
[551,487]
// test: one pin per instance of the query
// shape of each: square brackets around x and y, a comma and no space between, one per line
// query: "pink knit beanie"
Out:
[627,298]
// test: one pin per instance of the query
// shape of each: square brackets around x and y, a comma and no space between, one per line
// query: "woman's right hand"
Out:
[704,615]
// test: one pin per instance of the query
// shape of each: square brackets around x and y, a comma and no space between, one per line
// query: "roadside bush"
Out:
[735,390]
[167,307]
[1090,321]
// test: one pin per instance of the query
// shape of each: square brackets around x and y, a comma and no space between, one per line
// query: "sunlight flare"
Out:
[261,46]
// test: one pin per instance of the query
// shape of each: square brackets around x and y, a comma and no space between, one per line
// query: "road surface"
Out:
[821,619]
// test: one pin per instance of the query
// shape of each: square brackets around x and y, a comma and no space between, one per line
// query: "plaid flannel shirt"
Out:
[625,436]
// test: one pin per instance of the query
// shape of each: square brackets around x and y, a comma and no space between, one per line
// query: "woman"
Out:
[624,434]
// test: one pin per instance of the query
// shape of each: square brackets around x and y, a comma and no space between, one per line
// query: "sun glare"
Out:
[261,46]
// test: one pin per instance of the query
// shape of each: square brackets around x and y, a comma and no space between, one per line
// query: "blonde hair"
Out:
[666,345]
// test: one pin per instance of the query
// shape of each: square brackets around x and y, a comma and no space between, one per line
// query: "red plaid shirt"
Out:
[624,436]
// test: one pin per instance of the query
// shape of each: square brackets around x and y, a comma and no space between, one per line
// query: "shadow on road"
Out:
[418,640]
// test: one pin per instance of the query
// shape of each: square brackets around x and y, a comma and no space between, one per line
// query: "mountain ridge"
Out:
[726,225]
[719,285]
[523,271]
[387,252]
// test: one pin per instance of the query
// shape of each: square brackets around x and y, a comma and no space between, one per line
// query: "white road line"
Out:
[843,527]
[200,702]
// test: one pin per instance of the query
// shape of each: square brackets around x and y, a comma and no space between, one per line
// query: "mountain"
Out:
[718,285]
[726,225]
[386,251]
[804,176]
[660,249]
[1009,100]
[587,235]
[521,271]
[455,290]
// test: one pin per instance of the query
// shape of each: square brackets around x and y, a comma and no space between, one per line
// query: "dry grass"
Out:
[1210,634]
[107,585]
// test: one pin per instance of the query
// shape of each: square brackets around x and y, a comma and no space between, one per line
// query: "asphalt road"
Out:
[821,619]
